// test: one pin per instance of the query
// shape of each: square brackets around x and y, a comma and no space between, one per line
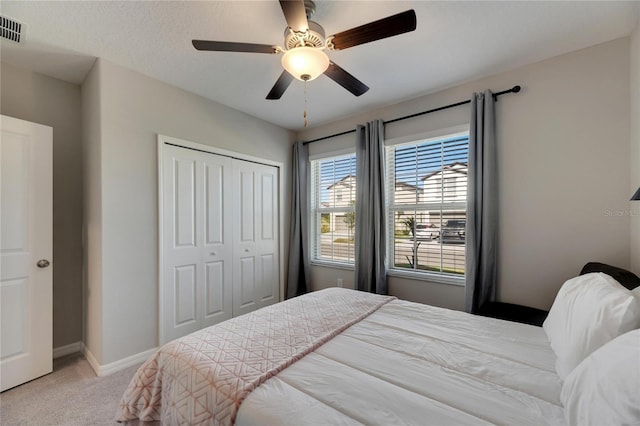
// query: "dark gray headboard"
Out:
[624,277]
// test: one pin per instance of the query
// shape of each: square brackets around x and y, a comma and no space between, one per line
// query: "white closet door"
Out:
[197,241]
[255,260]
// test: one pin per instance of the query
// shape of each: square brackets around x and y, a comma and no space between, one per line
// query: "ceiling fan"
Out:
[304,40]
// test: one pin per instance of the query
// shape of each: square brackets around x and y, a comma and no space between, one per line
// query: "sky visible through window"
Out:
[412,163]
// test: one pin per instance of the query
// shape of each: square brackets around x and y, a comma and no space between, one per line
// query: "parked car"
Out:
[453,231]
[427,231]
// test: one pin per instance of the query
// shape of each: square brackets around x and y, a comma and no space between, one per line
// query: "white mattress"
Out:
[409,363]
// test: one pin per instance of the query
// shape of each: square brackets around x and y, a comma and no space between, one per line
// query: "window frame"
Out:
[417,275]
[316,211]
[391,208]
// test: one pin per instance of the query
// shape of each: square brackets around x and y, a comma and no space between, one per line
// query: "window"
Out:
[333,185]
[427,199]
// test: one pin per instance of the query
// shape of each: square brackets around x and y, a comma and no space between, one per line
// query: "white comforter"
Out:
[409,363]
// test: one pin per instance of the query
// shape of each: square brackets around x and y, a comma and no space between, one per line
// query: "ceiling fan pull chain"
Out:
[305,103]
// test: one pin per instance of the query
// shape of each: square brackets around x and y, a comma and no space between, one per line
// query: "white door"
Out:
[255,260]
[197,251]
[26,228]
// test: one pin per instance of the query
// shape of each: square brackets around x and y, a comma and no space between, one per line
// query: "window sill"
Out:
[418,276]
[335,265]
[422,276]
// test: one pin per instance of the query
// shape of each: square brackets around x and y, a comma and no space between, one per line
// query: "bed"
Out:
[339,356]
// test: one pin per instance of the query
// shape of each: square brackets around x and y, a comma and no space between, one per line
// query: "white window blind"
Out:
[333,183]
[427,201]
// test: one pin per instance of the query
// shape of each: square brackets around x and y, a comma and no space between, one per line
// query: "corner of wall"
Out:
[92,212]
[635,147]
[113,367]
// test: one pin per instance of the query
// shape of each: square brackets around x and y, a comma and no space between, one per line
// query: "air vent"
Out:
[10,29]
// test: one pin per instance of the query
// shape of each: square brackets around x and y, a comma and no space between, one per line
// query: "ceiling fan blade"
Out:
[281,85]
[295,14]
[387,27]
[229,46]
[346,80]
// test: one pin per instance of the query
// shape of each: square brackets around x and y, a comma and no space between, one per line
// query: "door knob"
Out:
[42,263]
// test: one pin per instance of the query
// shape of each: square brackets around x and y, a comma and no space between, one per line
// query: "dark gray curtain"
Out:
[299,268]
[370,243]
[482,204]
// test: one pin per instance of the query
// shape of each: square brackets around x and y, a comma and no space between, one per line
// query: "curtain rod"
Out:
[514,89]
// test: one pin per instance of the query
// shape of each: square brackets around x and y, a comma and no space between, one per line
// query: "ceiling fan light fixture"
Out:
[305,63]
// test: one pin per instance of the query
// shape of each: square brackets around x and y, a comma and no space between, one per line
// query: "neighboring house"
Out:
[440,196]
[405,192]
[446,190]
[341,194]
[343,191]
[448,185]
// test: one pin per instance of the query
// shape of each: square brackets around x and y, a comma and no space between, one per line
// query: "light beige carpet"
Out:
[71,395]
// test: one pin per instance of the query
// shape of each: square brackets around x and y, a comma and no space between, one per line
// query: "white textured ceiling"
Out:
[454,42]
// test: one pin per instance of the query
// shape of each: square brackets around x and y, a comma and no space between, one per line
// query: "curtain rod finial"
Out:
[516,89]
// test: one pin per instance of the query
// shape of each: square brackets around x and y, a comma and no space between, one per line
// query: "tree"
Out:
[410,223]
[350,219]
[325,226]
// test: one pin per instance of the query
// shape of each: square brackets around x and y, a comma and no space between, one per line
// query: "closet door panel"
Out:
[214,181]
[216,292]
[267,277]
[184,285]
[182,271]
[217,250]
[267,247]
[184,196]
[246,210]
[246,283]
[257,209]
[244,261]
[267,210]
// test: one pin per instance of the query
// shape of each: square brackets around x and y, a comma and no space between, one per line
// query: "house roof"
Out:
[344,182]
[409,186]
[457,167]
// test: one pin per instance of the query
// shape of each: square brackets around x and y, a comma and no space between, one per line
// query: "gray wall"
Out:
[130,109]
[40,99]
[564,163]
[635,148]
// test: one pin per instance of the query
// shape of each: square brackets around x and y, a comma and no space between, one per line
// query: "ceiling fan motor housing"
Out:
[314,37]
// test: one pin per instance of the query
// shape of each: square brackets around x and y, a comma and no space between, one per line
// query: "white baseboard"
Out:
[67,349]
[105,370]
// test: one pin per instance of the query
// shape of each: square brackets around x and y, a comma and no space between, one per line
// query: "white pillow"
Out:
[605,388]
[588,311]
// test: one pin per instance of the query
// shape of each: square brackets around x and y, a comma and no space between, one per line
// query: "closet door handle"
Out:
[213,253]
[246,250]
